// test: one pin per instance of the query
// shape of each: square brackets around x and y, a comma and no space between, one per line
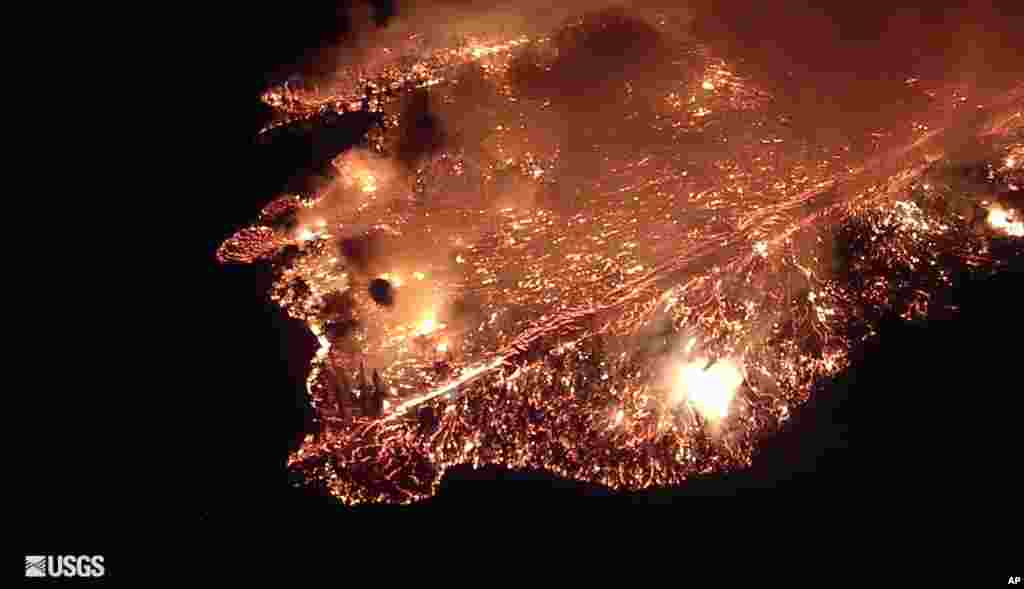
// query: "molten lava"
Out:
[569,230]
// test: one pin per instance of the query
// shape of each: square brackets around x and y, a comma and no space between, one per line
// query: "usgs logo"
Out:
[64,566]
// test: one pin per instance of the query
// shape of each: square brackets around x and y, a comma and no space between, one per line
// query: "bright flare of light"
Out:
[361,172]
[428,325]
[306,235]
[368,184]
[466,376]
[709,391]
[419,275]
[394,279]
[707,85]
[1004,220]
[442,347]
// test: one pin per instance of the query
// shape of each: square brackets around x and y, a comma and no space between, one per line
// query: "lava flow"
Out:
[626,281]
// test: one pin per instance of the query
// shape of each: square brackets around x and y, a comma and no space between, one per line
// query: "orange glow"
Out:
[708,390]
[361,172]
[368,183]
[1005,221]
[428,325]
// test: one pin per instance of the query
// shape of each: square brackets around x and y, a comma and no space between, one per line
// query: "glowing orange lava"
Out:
[571,271]
[709,390]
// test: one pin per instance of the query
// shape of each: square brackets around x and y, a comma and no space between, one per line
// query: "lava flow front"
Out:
[625,280]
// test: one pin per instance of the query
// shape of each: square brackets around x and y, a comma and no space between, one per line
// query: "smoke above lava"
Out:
[606,235]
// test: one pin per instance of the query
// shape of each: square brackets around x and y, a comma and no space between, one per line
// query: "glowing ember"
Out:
[362,171]
[619,415]
[1005,221]
[394,279]
[690,344]
[709,390]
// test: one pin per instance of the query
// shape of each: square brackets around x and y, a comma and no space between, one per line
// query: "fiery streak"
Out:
[560,364]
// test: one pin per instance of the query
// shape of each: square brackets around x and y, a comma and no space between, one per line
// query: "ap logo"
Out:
[1014,581]
[35,566]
